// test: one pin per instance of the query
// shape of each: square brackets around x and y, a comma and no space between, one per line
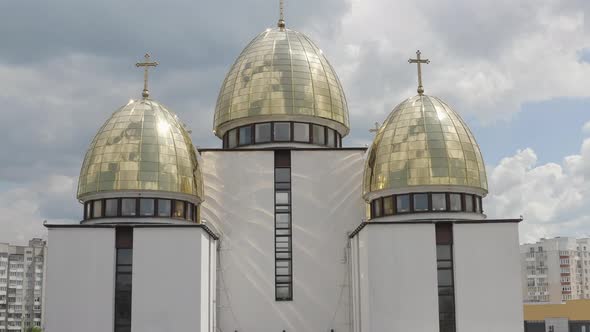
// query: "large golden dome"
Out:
[281,76]
[422,143]
[143,146]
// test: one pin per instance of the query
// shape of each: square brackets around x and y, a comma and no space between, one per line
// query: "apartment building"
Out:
[556,270]
[21,285]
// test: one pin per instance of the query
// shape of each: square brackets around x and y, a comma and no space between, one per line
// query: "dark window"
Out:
[111,207]
[330,138]
[262,132]
[455,202]
[164,208]
[469,203]
[439,202]
[446,290]
[232,139]
[388,206]
[146,207]
[282,131]
[123,278]
[189,211]
[319,135]
[478,205]
[377,208]
[283,227]
[97,209]
[178,209]
[402,203]
[87,214]
[301,132]
[420,202]
[128,207]
[283,175]
[246,135]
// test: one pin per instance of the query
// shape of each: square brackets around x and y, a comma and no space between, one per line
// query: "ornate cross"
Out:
[376,129]
[419,62]
[146,64]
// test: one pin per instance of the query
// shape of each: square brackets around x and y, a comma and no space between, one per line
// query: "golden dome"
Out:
[281,76]
[142,146]
[423,142]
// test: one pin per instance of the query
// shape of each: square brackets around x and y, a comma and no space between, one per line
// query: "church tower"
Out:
[427,259]
[141,234]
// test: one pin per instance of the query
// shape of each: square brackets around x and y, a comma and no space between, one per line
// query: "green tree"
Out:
[34,329]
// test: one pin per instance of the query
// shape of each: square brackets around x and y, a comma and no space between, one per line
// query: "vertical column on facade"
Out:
[123,277]
[446,288]
[283,227]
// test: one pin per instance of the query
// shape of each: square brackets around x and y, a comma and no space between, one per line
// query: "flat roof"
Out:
[572,310]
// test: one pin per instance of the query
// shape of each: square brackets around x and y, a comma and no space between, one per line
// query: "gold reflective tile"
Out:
[424,142]
[143,146]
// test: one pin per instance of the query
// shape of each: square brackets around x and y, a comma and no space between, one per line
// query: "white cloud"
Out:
[586,128]
[488,57]
[553,198]
[23,209]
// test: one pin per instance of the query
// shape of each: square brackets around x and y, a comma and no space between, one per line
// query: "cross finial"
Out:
[146,64]
[419,61]
[281,23]
[376,129]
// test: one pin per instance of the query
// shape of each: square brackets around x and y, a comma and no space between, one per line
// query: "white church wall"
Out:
[488,292]
[80,280]
[397,278]
[326,204]
[171,280]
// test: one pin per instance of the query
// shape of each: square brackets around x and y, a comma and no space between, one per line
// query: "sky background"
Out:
[517,71]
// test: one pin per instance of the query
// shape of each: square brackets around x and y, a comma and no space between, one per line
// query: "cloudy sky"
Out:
[517,71]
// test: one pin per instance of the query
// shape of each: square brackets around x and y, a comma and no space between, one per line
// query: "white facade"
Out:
[80,280]
[173,266]
[395,286]
[349,275]
[22,275]
[488,297]
[556,270]
[326,205]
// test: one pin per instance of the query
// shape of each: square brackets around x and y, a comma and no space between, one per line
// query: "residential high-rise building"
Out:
[556,270]
[21,285]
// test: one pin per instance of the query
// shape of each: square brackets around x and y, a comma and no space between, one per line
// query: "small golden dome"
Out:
[143,146]
[281,76]
[423,142]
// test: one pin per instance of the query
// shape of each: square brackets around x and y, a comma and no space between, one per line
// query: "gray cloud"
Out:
[66,65]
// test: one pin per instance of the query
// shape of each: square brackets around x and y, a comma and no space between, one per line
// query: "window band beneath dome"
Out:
[429,202]
[282,132]
[144,207]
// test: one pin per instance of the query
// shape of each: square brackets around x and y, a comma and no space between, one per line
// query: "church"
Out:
[283,229]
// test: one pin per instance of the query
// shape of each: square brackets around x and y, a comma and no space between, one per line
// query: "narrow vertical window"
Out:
[446,288]
[232,139]
[97,209]
[283,235]
[123,277]
[319,135]
[245,135]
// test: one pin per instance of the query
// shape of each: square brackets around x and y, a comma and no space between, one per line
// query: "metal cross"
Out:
[281,23]
[376,129]
[146,64]
[419,62]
